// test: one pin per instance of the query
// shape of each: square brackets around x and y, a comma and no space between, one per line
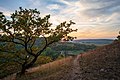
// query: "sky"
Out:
[93,18]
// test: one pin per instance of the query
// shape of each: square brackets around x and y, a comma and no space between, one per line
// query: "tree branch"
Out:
[19,39]
[1,50]
[46,45]
[32,45]
[40,51]
[12,41]
[17,43]
[26,49]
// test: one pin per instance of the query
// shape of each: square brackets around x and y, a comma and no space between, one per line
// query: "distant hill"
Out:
[72,48]
[94,41]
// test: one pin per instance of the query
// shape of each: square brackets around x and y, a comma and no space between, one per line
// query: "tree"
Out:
[118,37]
[21,33]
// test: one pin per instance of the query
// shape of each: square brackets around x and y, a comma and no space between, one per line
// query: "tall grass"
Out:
[44,70]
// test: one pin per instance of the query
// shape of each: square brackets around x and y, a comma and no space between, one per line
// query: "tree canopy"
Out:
[24,28]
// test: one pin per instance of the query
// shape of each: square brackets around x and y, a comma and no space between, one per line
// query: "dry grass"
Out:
[102,63]
[46,69]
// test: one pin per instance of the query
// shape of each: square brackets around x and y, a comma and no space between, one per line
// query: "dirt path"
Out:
[71,73]
[75,72]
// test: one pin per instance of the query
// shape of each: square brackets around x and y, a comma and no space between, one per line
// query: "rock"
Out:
[101,70]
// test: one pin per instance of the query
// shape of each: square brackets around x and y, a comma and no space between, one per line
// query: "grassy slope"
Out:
[100,64]
[52,68]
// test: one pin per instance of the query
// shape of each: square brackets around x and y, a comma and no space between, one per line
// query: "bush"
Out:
[43,60]
[8,68]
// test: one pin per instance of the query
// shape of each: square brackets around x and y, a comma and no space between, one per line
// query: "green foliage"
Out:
[8,67]
[24,29]
[60,56]
[72,46]
[43,60]
[66,49]
[51,53]
[8,64]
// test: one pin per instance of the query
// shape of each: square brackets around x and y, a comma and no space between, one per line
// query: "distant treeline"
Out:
[64,48]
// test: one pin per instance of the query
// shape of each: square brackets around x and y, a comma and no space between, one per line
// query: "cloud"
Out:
[97,17]
[6,12]
[34,3]
[53,7]
[65,2]
[101,7]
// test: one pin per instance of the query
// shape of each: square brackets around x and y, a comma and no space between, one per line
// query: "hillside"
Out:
[52,53]
[102,63]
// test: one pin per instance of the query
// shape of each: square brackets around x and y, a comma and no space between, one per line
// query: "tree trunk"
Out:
[23,71]
[27,66]
[31,63]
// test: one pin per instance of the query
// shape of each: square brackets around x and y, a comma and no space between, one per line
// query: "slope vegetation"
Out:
[100,64]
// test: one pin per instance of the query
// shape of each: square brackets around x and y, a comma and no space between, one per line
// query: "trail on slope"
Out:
[69,73]
[72,73]
[75,72]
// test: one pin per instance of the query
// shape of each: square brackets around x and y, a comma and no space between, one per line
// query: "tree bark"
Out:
[31,63]
[23,70]
[27,66]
